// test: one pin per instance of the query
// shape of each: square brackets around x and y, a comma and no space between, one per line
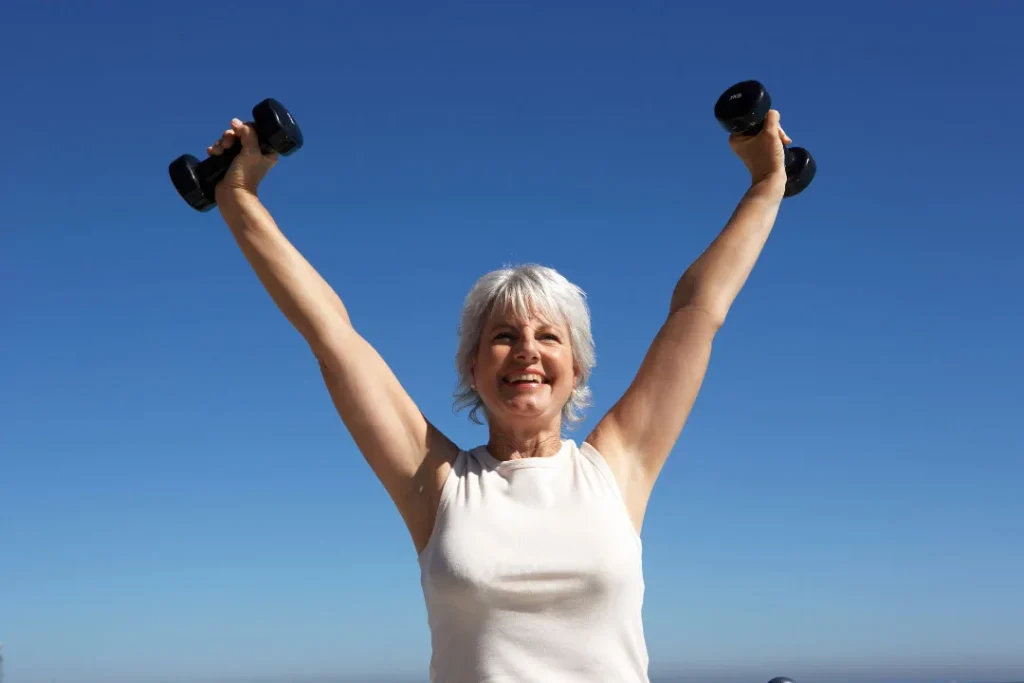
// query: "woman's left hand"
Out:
[763,154]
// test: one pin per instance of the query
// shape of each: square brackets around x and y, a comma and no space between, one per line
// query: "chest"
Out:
[534,539]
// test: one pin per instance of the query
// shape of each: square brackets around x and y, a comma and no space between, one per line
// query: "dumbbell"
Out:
[742,109]
[196,180]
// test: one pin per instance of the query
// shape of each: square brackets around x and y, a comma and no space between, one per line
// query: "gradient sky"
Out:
[178,499]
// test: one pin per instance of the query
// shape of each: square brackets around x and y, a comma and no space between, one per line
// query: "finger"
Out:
[786,140]
[771,121]
[225,141]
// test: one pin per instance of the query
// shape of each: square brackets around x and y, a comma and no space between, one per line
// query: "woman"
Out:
[529,546]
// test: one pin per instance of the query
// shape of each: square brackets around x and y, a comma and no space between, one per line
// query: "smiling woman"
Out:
[528,545]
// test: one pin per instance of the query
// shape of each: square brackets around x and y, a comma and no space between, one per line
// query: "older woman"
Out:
[529,545]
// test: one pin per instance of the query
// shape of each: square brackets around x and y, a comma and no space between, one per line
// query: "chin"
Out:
[526,413]
[529,409]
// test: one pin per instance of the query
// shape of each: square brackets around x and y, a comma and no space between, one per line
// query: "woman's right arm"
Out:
[408,455]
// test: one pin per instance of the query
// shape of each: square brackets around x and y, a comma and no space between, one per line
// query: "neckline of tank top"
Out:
[489,461]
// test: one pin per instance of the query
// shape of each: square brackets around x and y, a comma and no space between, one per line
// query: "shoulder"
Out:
[603,442]
[630,477]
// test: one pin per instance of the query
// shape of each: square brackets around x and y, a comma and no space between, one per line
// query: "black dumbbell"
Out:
[196,180]
[742,109]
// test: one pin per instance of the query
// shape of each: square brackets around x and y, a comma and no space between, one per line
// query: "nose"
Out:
[526,349]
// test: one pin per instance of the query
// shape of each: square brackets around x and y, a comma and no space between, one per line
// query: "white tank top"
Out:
[533,573]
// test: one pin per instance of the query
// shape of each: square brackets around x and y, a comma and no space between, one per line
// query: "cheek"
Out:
[564,362]
[488,360]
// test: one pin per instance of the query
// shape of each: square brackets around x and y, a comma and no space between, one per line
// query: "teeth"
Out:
[526,377]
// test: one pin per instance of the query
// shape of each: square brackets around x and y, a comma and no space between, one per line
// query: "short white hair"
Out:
[522,290]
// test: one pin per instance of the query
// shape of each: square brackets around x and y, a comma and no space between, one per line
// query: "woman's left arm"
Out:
[639,432]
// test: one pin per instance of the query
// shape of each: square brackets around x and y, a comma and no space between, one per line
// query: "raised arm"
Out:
[408,455]
[639,432]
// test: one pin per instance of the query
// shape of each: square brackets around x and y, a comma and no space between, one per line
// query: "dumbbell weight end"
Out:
[800,170]
[196,181]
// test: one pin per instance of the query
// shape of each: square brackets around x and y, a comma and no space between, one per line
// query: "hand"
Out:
[248,168]
[763,154]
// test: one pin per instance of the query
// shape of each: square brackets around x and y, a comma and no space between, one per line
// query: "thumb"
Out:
[247,135]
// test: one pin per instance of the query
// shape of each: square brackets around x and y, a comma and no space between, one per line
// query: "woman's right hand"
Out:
[248,168]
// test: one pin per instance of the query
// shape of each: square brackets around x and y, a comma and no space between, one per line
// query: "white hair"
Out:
[523,290]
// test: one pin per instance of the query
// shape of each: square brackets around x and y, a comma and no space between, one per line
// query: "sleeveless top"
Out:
[533,573]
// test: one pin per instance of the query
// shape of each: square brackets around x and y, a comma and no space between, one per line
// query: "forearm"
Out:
[714,280]
[302,295]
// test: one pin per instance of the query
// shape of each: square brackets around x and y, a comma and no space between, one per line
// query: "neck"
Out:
[508,445]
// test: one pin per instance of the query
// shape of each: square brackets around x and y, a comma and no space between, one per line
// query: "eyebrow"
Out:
[544,326]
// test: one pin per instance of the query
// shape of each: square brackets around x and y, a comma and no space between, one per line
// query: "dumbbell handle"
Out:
[786,151]
[213,169]
[800,165]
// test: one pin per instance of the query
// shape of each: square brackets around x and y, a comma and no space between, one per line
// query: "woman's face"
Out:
[524,370]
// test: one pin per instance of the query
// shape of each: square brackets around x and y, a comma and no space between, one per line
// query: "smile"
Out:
[524,379]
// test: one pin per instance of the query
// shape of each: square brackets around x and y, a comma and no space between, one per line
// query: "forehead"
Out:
[518,317]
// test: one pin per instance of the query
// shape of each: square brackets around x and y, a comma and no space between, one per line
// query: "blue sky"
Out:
[179,501]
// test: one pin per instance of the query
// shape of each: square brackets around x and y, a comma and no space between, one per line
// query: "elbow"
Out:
[327,336]
[707,317]
[694,301]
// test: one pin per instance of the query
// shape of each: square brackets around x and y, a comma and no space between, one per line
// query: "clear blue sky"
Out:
[179,501]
